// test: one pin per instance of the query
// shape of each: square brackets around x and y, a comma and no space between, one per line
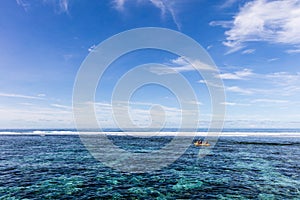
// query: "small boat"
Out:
[201,144]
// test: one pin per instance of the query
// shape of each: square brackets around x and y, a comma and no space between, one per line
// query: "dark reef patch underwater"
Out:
[60,167]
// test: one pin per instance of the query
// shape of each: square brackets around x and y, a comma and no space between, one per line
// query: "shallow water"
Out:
[52,167]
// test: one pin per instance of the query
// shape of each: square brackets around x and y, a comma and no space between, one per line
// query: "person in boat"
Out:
[206,143]
[199,142]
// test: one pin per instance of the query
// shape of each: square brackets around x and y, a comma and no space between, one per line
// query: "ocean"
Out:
[54,164]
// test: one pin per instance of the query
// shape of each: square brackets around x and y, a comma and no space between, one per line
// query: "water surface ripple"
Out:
[53,167]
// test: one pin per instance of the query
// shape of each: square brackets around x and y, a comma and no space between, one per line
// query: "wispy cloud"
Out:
[284,78]
[24,4]
[224,24]
[35,117]
[238,75]
[119,4]
[293,51]
[237,89]
[234,104]
[288,83]
[260,20]
[92,48]
[195,103]
[181,64]
[275,87]
[63,6]
[248,51]
[272,59]
[19,96]
[60,6]
[275,84]
[61,106]
[209,47]
[277,101]
[228,3]
[165,7]
[141,114]
[211,83]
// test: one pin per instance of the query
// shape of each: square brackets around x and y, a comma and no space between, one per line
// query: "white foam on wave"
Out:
[151,134]
[222,134]
[39,132]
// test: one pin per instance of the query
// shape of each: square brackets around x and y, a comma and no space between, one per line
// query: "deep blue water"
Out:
[59,167]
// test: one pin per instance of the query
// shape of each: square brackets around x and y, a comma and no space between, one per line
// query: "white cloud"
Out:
[61,106]
[25,5]
[272,59]
[165,7]
[211,83]
[19,96]
[34,116]
[248,51]
[228,3]
[195,103]
[209,47]
[141,114]
[277,101]
[228,103]
[224,24]
[284,78]
[260,20]
[64,6]
[238,75]
[288,84]
[60,6]
[92,48]
[292,51]
[181,65]
[234,104]
[279,84]
[119,4]
[159,4]
[237,89]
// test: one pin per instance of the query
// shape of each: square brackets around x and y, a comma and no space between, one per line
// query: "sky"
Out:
[255,45]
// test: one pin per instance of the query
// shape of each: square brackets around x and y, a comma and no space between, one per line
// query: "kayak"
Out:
[197,144]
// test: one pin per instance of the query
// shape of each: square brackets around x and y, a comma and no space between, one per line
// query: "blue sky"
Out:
[255,44]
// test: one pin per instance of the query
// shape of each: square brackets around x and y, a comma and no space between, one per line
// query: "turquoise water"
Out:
[52,167]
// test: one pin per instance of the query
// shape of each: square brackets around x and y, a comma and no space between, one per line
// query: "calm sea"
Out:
[60,167]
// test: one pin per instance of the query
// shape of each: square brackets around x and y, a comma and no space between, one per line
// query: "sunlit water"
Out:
[57,167]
